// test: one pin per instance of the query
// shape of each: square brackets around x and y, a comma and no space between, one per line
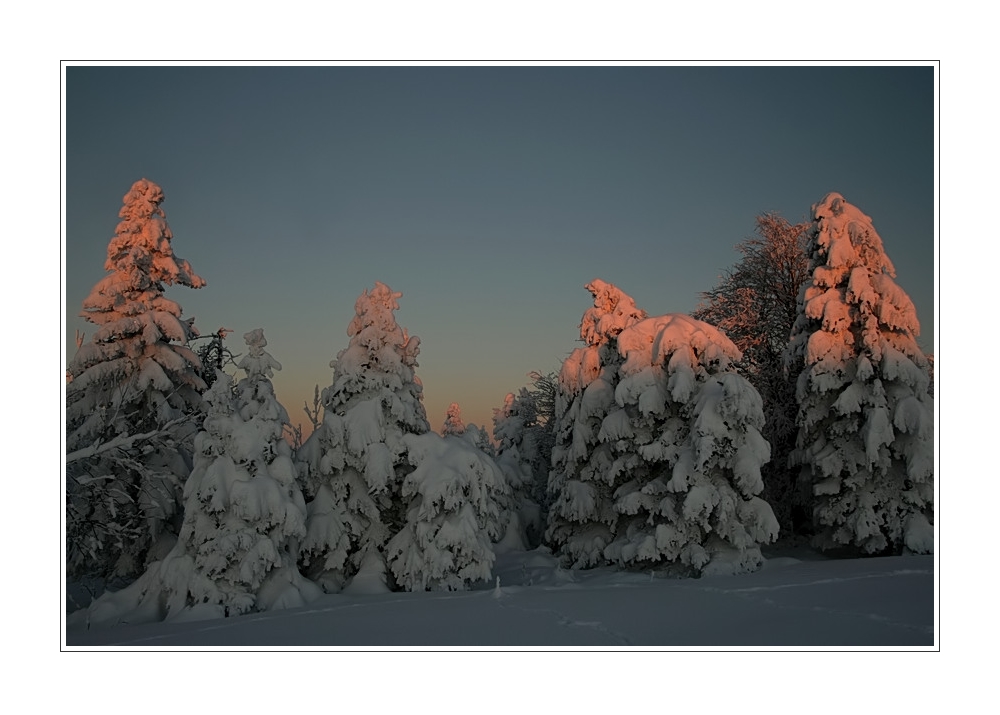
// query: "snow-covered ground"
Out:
[799,599]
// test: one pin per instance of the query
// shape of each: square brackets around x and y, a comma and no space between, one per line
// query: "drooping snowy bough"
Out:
[658,453]
[131,401]
[866,418]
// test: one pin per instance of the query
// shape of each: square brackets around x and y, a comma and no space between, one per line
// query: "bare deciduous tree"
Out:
[755,304]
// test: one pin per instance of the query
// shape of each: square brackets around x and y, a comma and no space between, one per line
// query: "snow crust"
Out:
[797,600]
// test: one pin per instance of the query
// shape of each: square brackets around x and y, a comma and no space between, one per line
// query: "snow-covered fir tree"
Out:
[683,438]
[581,518]
[865,419]
[244,513]
[356,461]
[456,496]
[129,404]
[515,434]
[453,424]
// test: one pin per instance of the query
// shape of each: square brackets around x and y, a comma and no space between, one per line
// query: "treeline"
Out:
[795,401]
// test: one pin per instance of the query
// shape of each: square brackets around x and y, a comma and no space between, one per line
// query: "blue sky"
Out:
[488,196]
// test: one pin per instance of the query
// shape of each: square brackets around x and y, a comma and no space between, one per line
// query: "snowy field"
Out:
[800,599]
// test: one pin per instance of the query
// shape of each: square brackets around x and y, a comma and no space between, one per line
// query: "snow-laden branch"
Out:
[124,441]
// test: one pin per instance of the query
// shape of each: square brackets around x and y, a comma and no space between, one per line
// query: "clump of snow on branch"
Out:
[131,395]
[865,420]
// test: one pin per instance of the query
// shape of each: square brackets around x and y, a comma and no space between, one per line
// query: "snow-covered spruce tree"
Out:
[456,496]
[514,429]
[243,513]
[129,405]
[581,519]
[684,439]
[755,304]
[865,418]
[453,424]
[356,461]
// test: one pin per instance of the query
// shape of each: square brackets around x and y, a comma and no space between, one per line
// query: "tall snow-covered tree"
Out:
[244,512]
[455,495]
[865,418]
[684,441]
[356,461]
[129,404]
[755,304]
[581,518]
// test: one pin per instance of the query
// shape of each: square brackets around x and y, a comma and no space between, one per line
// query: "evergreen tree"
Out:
[684,442]
[132,394]
[581,519]
[455,497]
[756,304]
[515,431]
[243,513]
[865,418]
[543,392]
[453,424]
[355,462]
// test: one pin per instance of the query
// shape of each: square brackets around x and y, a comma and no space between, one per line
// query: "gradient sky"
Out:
[488,196]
